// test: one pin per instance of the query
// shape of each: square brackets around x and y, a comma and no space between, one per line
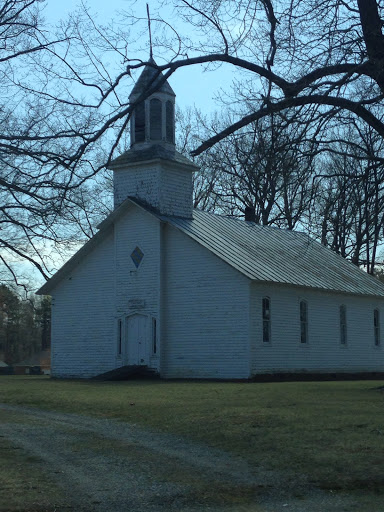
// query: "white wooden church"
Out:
[191,294]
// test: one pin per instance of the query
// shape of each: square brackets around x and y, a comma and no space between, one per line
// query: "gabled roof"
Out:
[261,253]
[150,77]
[274,255]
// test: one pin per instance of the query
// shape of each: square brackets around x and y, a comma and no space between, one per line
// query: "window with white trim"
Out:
[343,325]
[303,321]
[266,316]
[154,335]
[119,336]
[376,326]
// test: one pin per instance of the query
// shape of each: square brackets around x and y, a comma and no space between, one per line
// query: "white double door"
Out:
[137,349]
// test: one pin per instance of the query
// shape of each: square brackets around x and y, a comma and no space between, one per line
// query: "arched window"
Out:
[169,122]
[140,123]
[266,316]
[376,326]
[155,119]
[343,325]
[303,322]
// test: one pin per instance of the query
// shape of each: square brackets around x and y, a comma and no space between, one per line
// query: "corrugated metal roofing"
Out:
[276,255]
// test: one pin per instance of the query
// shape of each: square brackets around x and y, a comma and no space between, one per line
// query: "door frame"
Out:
[147,341]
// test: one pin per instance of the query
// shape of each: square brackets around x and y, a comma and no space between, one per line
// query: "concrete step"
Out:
[128,372]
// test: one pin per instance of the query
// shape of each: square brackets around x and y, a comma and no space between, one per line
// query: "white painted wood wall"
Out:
[166,186]
[323,352]
[206,313]
[83,310]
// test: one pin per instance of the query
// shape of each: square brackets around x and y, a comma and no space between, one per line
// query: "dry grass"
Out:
[24,485]
[332,433]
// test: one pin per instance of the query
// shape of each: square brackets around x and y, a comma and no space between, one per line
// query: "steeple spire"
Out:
[152,170]
[150,34]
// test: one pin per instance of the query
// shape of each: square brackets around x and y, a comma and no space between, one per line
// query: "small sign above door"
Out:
[136,303]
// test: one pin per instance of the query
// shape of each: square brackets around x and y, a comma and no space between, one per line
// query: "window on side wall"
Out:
[343,325]
[266,316]
[119,336]
[154,335]
[376,325]
[303,321]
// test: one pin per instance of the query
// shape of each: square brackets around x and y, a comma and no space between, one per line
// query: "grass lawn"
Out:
[331,432]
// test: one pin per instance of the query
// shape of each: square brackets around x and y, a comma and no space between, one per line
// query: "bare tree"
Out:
[267,167]
[45,138]
[65,107]
[350,198]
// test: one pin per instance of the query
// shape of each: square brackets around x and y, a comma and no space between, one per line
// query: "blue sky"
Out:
[192,86]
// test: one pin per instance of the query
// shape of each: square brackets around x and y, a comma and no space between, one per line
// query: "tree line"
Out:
[24,325]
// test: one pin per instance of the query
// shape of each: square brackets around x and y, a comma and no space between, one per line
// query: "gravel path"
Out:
[110,466]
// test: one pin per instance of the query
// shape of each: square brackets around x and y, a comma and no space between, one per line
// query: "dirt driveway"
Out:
[111,466]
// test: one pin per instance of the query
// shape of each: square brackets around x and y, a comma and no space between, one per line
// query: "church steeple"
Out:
[152,170]
[153,120]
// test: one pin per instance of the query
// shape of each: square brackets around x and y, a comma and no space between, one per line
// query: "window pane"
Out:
[266,309]
[343,334]
[169,121]
[303,332]
[376,324]
[266,331]
[154,335]
[155,119]
[343,325]
[303,322]
[140,123]
[119,336]
[266,317]
[303,311]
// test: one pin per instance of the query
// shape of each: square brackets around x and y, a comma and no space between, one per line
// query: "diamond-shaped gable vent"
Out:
[137,256]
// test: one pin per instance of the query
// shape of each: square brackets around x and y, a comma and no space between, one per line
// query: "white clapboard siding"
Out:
[137,182]
[205,313]
[163,185]
[323,352]
[83,307]
[176,191]
[137,228]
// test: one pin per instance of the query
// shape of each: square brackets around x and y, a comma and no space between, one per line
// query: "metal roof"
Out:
[275,255]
